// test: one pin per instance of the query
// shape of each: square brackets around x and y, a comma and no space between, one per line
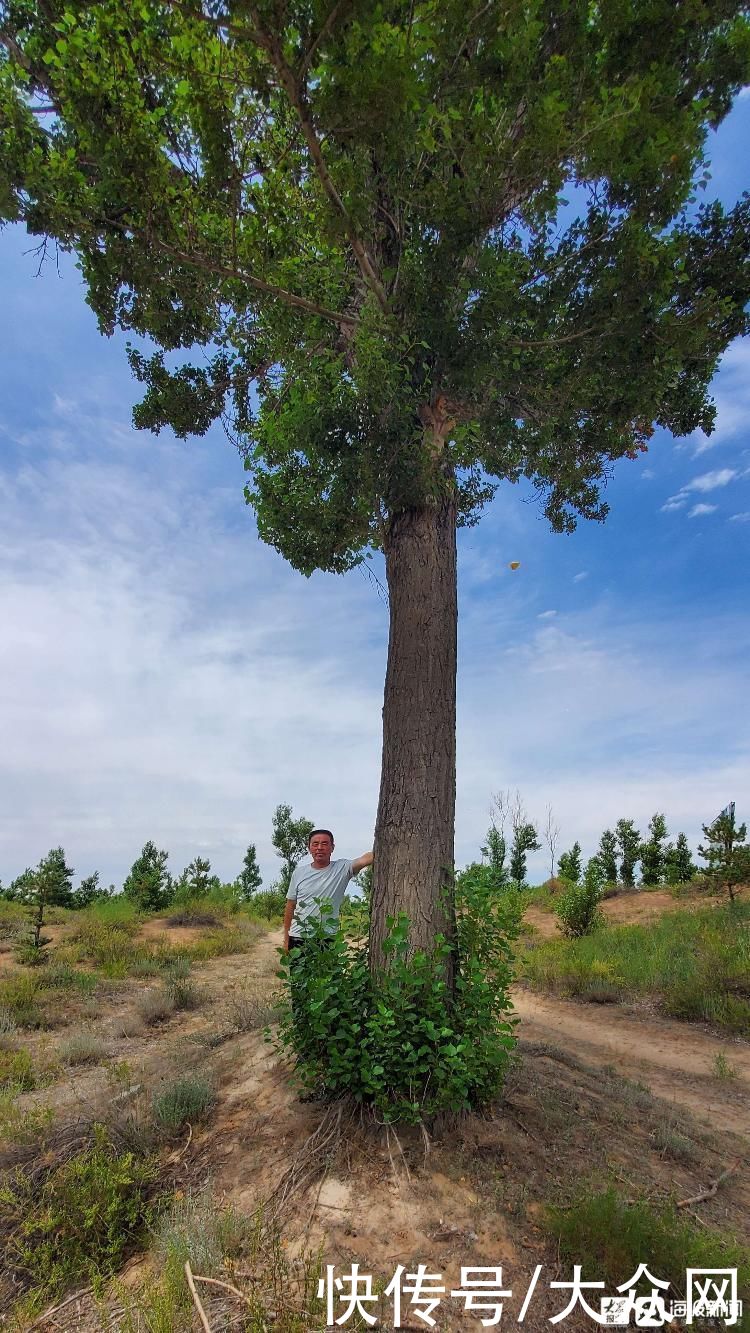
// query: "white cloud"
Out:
[698,510]
[168,676]
[740,518]
[731,393]
[546,615]
[583,574]
[711,481]
[707,481]
[648,474]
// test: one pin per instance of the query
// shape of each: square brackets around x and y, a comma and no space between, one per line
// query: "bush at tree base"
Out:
[399,1040]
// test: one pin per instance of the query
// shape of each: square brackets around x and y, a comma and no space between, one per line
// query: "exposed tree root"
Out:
[711,1191]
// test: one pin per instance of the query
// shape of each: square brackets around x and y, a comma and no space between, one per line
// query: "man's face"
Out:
[321,847]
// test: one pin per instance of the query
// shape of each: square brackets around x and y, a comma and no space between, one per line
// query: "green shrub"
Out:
[195,1228]
[61,976]
[79,1220]
[21,1124]
[16,1070]
[188,1100]
[20,997]
[108,944]
[400,1041]
[578,909]
[227,940]
[29,954]
[266,905]
[610,1237]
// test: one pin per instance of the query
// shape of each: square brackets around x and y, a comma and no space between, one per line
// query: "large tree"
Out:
[354,213]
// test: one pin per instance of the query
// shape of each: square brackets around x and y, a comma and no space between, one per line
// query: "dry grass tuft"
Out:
[154,1007]
[82,1048]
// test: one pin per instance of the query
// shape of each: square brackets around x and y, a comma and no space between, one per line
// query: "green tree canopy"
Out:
[629,844]
[525,839]
[495,850]
[652,851]
[679,866]
[196,879]
[290,838]
[607,856]
[90,891]
[569,865]
[250,878]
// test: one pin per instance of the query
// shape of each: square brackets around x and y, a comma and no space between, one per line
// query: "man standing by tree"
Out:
[316,890]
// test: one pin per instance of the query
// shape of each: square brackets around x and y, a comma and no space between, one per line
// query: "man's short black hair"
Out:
[320,830]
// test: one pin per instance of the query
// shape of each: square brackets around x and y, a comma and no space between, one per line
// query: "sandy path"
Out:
[674,1060]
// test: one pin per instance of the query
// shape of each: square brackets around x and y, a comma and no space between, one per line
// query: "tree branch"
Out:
[324,32]
[209,266]
[296,95]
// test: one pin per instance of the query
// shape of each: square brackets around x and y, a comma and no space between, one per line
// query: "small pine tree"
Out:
[607,856]
[629,843]
[149,883]
[569,864]
[33,950]
[250,878]
[58,878]
[524,840]
[726,853]
[652,852]
[679,866]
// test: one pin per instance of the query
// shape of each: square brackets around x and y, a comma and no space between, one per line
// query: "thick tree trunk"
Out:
[416,813]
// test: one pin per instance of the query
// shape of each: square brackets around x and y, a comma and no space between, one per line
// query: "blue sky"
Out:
[165,675]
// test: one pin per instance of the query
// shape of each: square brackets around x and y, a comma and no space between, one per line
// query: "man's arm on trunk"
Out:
[362,862]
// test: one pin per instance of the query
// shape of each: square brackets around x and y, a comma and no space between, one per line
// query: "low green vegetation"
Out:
[610,1237]
[16,1070]
[723,1068]
[696,964]
[75,1219]
[183,1102]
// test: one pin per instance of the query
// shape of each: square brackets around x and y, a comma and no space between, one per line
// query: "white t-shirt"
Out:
[312,890]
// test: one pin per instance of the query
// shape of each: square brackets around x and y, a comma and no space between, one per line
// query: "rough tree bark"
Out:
[416,813]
